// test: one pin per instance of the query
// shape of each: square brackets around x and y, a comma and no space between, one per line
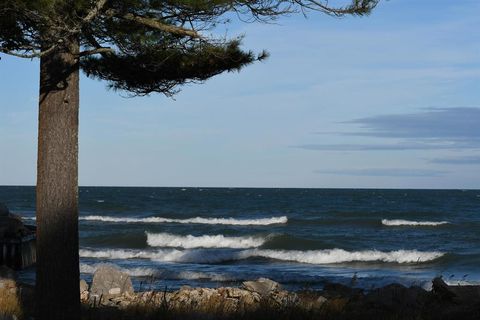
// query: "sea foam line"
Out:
[329,256]
[159,273]
[204,241]
[399,222]
[136,272]
[340,256]
[196,220]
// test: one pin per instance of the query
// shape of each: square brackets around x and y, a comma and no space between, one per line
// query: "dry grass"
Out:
[10,304]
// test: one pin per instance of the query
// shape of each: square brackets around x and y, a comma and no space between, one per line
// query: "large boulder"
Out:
[397,297]
[83,285]
[263,286]
[458,294]
[337,290]
[10,304]
[108,282]
[442,290]
[84,294]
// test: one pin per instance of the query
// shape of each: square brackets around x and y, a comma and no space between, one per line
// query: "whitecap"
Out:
[164,255]
[159,273]
[204,241]
[196,220]
[399,222]
[331,256]
[135,272]
[328,256]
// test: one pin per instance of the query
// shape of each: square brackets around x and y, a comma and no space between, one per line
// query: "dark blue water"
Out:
[299,237]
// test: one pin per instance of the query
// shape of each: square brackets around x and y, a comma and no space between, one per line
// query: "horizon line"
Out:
[250,187]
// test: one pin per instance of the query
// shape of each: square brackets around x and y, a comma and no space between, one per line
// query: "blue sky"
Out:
[390,101]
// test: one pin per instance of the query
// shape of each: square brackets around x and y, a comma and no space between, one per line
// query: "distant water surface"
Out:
[169,237]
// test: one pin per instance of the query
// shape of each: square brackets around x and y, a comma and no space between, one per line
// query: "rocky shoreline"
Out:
[265,299]
[111,296]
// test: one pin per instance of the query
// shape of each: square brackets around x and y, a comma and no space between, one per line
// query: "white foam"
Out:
[204,241]
[462,283]
[135,272]
[399,222]
[162,255]
[159,273]
[329,256]
[340,256]
[192,275]
[196,220]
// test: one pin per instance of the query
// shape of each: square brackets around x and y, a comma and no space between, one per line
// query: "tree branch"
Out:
[95,11]
[155,24]
[34,54]
[357,7]
[101,50]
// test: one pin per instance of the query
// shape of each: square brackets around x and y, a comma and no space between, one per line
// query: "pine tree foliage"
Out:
[145,46]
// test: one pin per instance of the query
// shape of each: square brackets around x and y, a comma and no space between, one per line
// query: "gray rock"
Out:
[263,286]
[441,289]
[109,281]
[397,297]
[320,301]
[337,290]
[458,294]
[3,210]
[83,286]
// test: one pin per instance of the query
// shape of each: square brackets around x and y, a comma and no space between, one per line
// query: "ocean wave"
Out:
[135,272]
[331,256]
[204,241]
[328,256]
[159,273]
[163,255]
[399,222]
[196,220]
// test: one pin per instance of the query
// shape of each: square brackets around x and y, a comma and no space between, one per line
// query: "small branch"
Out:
[19,55]
[101,50]
[94,43]
[155,24]
[95,11]
[357,7]
[34,54]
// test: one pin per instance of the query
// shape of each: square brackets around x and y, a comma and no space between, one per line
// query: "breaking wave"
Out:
[399,222]
[196,220]
[204,241]
[159,273]
[340,256]
[135,272]
[329,256]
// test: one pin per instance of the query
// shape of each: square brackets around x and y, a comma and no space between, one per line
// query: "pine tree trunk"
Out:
[57,280]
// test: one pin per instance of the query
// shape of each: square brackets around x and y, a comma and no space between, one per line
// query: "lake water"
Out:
[302,238]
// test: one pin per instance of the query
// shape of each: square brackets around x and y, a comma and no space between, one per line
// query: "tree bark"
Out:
[57,278]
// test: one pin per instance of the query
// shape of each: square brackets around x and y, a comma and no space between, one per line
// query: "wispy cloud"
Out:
[383,147]
[434,123]
[390,172]
[431,129]
[468,160]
